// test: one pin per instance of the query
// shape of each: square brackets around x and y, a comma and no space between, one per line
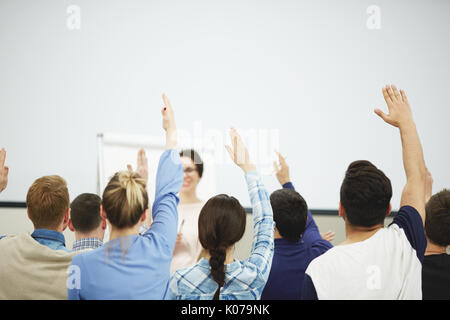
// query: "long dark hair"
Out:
[220,225]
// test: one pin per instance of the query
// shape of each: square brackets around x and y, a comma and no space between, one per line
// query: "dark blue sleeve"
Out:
[308,291]
[288,185]
[410,221]
[1,237]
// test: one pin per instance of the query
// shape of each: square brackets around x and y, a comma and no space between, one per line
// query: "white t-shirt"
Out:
[387,266]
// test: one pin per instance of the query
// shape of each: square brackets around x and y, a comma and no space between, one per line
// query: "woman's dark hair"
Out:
[195,157]
[365,194]
[437,218]
[220,225]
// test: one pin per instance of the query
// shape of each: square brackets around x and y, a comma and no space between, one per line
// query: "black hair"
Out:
[365,194]
[85,212]
[290,213]
[437,218]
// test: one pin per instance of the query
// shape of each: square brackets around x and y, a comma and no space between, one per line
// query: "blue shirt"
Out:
[244,280]
[290,261]
[53,239]
[136,266]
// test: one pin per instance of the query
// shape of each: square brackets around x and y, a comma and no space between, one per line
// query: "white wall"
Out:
[14,221]
[308,73]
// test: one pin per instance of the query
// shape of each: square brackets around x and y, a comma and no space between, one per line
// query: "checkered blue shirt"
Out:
[86,243]
[244,280]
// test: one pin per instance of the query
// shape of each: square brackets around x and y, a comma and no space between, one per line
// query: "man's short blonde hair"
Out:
[48,201]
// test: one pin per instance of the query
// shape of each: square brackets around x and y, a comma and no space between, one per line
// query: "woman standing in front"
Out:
[188,247]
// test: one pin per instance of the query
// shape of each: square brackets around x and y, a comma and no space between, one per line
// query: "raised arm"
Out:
[169,178]
[263,225]
[282,173]
[169,124]
[3,171]
[400,116]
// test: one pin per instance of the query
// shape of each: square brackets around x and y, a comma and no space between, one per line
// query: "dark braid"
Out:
[220,225]
[217,263]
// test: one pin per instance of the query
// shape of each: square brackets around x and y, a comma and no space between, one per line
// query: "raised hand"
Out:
[3,171]
[400,116]
[239,152]
[329,236]
[142,165]
[281,169]
[168,123]
[399,110]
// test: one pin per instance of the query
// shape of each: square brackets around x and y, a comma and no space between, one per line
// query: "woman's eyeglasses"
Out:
[189,170]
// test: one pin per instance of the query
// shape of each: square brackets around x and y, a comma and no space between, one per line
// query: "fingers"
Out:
[404,98]
[386,96]
[167,104]
[129,167]
[391,93]
[397,96]
[2,158]
[275,166]
[281,159]
[382,115]
[230,152]
[142,158]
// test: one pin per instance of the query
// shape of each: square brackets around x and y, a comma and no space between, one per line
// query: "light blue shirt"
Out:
[244,279]
[51,238]
[136,266]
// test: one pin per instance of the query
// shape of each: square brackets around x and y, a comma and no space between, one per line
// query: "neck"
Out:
[229,258]
[118,233]
[357,234]
[276,234]
[433,248]
[93,234]
[189,197]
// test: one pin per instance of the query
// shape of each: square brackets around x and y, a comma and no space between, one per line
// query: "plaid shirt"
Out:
[244,280]
[86,243]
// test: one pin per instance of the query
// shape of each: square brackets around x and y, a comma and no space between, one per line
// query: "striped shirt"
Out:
[86,243]
[244,280]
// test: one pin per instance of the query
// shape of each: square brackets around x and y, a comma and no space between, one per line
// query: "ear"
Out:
[70,225]
[389,209]
[103,218]
[66,219]
[341,211]
[144,216]
[102,213]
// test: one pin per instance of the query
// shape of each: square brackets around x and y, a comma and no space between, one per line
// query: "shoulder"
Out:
[408,223]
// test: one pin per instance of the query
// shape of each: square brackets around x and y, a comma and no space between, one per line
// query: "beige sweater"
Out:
[29,270]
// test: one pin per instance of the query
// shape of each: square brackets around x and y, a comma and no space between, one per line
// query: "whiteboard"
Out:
[310,69]
[116,150]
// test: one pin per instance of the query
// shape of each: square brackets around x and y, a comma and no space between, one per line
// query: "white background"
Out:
[310,69]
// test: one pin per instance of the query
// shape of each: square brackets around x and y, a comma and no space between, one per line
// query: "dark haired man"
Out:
[375,262]
[297,240]
[436,265]
[86,222]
